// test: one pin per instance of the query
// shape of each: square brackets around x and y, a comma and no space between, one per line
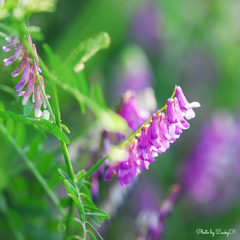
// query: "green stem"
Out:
[34,171]
[70,212]
[58,123]
[65,153]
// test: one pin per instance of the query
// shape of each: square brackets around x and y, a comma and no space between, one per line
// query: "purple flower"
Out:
[185,106]
[29,76]
[158,218]
[130,112]
[25,78]
[153,138]
[12,44]
[211,176]
[153,223]
[15,56]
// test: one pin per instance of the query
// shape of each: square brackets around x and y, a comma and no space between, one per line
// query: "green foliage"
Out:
[79,193]
[27,109]
[36,123]
[22,9]
[66,79]
[82,53]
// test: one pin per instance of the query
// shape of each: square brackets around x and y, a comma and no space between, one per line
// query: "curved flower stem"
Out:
[123,145]
[34,170]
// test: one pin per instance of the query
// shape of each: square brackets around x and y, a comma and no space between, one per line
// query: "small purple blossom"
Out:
[185,106]
[153,138]
[29,76]
[130,112]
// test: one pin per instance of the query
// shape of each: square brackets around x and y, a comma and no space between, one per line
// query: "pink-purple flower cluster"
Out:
[28,78]
[153,138]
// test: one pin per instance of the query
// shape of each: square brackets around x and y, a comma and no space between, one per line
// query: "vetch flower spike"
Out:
[152,138]
[29,77]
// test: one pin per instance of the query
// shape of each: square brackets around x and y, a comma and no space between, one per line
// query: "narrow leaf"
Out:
[91,235]
[94,214]
[89,208]
[84,189]
[70,188]
[91,226]
[20,118]
[74,198]
[89,202]
[65,176]
[55,130]
[95,168]
[94,219]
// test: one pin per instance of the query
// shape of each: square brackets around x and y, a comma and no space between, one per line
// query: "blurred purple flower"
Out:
[132,71]
[212,173]
[154,222]
[159,217]
[146,26]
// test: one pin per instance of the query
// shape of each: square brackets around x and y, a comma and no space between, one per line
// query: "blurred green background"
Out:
[191,43]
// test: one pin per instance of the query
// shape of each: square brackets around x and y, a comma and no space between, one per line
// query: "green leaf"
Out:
[51,56]
[66,74]
[89,202]
[20,133]
[6,115]
[95,168]
[70,188]
[65,128]
[87,49]
[55,130]
[96,210]
[80,174]
[94,214]
[10,126]
[88,183]
[94,219]
[75,199]
[91,226]
[82,83]
[27,109]
[65,176]
[98,95]
[84,189]
[91,235]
